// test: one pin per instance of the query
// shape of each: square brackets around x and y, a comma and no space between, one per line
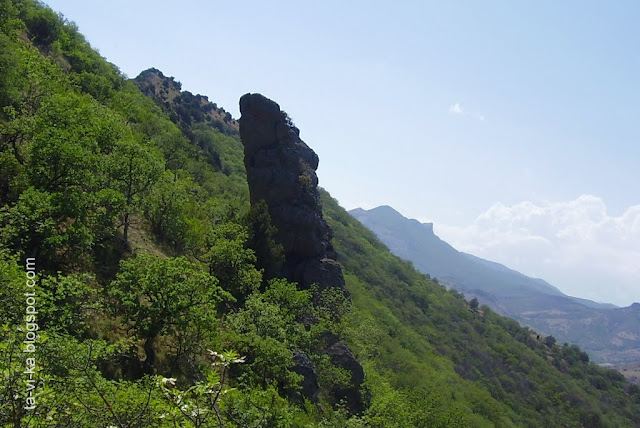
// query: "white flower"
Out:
[169,380]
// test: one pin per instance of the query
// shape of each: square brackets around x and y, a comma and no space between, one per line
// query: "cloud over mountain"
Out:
[576,245]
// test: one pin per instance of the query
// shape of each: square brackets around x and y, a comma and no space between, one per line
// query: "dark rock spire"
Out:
[281,171]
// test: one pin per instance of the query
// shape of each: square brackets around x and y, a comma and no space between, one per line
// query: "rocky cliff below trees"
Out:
[281,172]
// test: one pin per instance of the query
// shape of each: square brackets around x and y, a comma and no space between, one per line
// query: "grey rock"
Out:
[309,386]
[341,356]
[281,170]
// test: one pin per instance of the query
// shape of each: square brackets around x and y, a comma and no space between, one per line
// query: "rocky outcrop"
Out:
[281,171]
[341,356]
[309,386]
[183,107]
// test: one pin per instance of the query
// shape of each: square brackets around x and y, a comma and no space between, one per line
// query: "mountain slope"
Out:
[185,329]
[609,334]
[514,364]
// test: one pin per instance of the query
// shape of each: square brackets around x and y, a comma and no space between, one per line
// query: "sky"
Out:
[513,126]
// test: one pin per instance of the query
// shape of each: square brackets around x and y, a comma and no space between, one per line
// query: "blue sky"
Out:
[473,115]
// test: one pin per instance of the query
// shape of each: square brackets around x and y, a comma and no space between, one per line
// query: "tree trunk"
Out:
[126,228]
[150,361]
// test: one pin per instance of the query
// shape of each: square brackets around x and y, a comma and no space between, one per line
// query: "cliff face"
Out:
[281,171]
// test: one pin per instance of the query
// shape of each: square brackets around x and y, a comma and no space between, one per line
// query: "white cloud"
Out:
[456,109]
[575,245]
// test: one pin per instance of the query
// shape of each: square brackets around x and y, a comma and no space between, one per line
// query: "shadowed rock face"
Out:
[281,170]
[342,356]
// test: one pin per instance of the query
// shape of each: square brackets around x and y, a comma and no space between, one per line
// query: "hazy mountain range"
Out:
[608,333]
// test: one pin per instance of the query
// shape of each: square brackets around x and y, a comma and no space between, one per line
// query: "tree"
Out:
[166,208]
[164,296]
[269,253]
[10,173]
[231,262]
[202,400]
[71,133]
[133,169]
[473,304]
[44,25]
[550,341]
[62,230]
[66,303]
[70,369]
[12,280]
[39,225]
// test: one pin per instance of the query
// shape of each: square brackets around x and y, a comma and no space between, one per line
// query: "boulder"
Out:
[341,356]
[309,387]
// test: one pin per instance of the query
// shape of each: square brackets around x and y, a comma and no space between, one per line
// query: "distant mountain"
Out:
[531,284]
[608,333]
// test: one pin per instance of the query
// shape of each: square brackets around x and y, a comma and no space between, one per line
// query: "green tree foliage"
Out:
[133,168]
[61,230]
[72,392]
[12,280]
[67,303]
[269,254]
[266,330]
[260,408]
[230,261]
[73,132]
[167,209]
[164,297]
[43,25]
[200,403]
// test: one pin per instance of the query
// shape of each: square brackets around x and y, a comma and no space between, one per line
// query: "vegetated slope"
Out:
[125,331]
[537,379]
[631,371]
[609,334]
[88,163]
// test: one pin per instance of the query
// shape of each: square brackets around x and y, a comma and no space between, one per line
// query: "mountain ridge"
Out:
[532,301]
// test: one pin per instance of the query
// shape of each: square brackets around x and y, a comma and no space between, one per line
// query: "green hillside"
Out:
[152,283]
